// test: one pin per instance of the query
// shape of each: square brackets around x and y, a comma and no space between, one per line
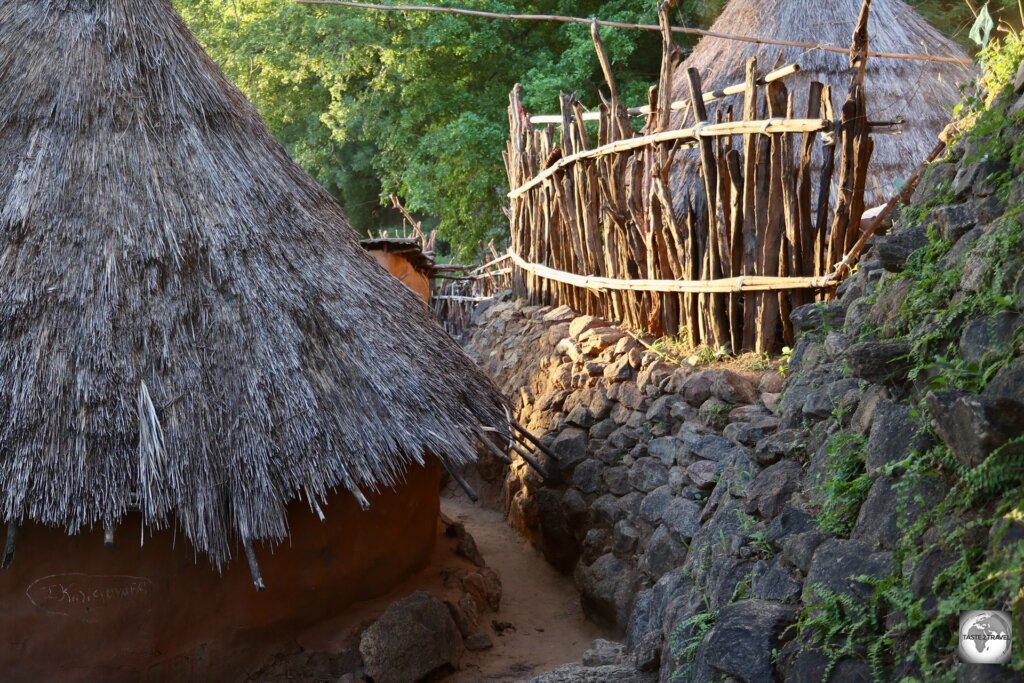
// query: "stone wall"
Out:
[829,527]
[654,460]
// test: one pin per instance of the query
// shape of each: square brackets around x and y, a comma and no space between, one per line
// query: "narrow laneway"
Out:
[542,605]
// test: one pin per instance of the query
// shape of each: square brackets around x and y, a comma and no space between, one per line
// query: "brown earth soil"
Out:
[548,628]
[542,605]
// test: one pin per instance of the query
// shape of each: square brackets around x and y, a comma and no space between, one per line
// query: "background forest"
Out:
[372,103]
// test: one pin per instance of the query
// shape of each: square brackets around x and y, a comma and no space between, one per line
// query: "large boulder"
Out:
[894,250]
[891,506]
[557,541]
[838,566]
[415,637]
[607,588]
[816,316]
[879,362]
[894,435]
[772,488]
[974,425]
[663,553]
[989,334]
[742,641]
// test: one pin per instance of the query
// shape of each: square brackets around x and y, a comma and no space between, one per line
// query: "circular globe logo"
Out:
[985,637]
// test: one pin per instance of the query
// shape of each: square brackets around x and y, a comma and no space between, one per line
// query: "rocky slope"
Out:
[831,533]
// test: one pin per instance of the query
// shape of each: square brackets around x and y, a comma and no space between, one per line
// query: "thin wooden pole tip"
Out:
[12,539]
[493,448]
[463,484]
[254,567]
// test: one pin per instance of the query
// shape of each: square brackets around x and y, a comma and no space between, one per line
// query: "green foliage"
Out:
[1002,470]
[687,637]
[846,483]
[955,19]
[377,102]
[968,531]
[842,626]
[933,313]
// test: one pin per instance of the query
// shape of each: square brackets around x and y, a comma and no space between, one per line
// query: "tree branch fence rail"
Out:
[595,225]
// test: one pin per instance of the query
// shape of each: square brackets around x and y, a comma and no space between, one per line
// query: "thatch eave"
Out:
[188,324]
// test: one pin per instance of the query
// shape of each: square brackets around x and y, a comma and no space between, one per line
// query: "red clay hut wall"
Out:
[74,610]
[400,267]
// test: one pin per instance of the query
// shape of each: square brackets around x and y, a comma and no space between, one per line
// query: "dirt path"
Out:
[541,604]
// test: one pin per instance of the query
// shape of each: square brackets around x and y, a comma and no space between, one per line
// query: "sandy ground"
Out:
[541,605]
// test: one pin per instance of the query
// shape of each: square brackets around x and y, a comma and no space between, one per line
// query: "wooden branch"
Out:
[9,545]
[254,567]
[606,64]
[463,484]
[637,27]
[678,105]
[530,460]
[405,214]
[461,299]
[709,173]
[743,283]
[538,444]
[844,266]
[494,450]
[686,135]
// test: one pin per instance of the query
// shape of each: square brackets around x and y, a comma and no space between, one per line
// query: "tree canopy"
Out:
[372,103]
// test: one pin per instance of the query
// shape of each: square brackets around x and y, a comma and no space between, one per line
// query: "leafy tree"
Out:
[377,102]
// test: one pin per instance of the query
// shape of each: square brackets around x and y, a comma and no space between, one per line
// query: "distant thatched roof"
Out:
[188,324]
[409,248]
[923,93]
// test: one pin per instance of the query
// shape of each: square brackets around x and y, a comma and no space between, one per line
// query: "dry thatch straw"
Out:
[923,93]
[188,324]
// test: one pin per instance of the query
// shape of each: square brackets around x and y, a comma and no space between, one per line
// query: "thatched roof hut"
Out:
[406,259]
[923,93]
[188,325]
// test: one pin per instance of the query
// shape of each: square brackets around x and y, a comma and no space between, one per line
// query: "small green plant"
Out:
[706,355]
[687,637]
[762,547]
[838,624]
[787,354]
[846,483]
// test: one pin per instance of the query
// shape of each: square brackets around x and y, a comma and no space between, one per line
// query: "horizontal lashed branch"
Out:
[684,135]
[736,89]
[743,283]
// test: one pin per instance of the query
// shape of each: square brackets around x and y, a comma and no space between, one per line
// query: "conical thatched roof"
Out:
[188,324]
[923,93]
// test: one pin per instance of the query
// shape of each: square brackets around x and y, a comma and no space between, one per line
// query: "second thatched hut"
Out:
[922,93]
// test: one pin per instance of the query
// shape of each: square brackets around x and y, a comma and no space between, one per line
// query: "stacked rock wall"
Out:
[830,527]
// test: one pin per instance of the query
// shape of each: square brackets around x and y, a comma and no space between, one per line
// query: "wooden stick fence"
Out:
[459,288]
[595,225]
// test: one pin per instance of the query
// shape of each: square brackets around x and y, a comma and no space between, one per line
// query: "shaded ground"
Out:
[540,623]
[542,605]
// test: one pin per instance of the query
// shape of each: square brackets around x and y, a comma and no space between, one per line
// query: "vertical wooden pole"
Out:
[749,215]
[732,161]
[828,165]
[709,168]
